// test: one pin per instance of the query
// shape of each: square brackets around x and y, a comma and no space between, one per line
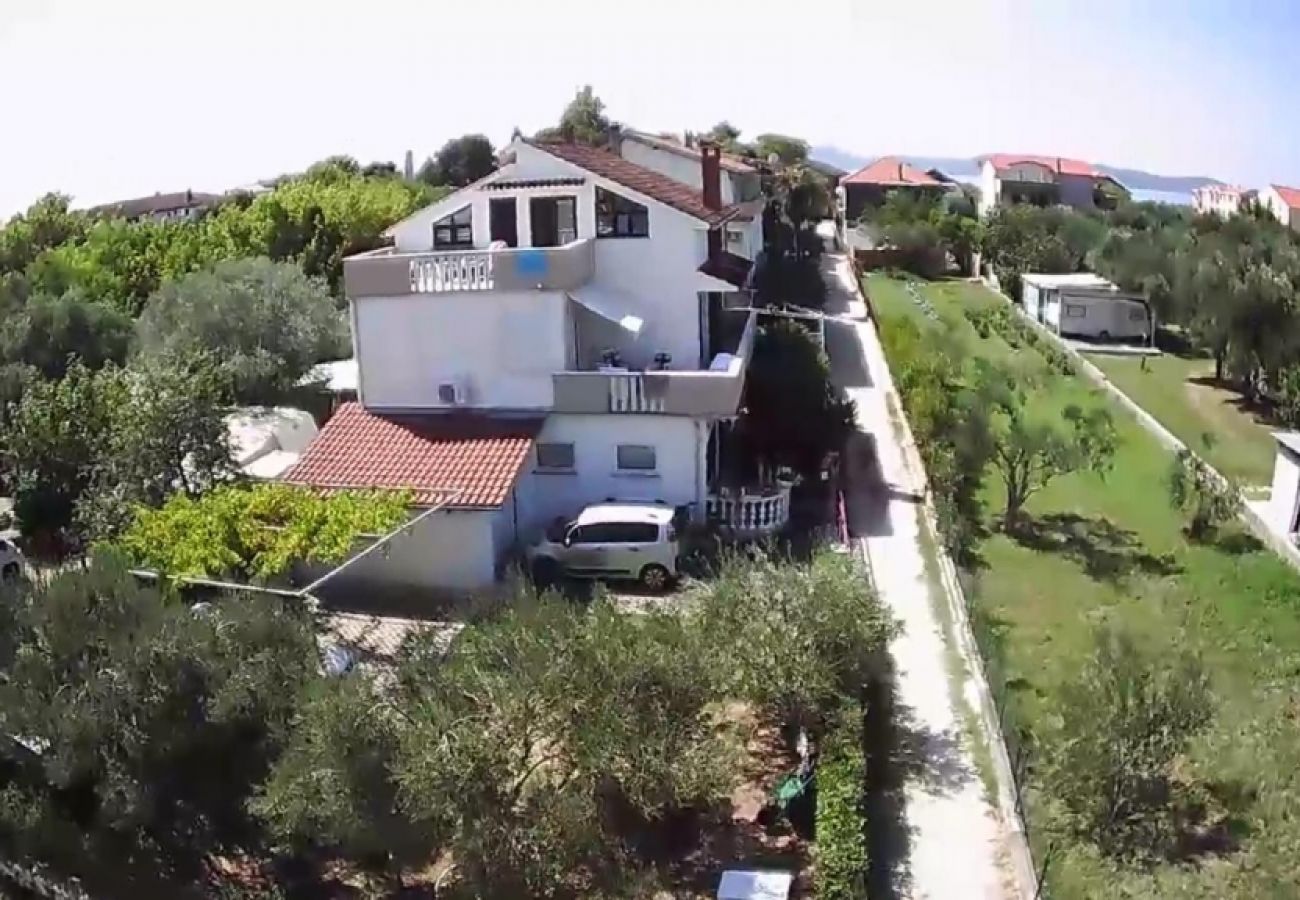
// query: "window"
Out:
[617,216]
[636,457]
[1075,311]
[735,238]
[555,456]
[1137,315]
[599,533]
[636,532]
[455,230]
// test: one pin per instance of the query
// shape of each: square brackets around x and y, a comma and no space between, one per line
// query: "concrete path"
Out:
[947,840]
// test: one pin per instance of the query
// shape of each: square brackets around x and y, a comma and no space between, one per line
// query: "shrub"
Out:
[1198,490]
[840,851]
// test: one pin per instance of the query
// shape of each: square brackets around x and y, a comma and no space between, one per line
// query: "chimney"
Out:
[408,166]
[900,171]
[711,174]
[614,138]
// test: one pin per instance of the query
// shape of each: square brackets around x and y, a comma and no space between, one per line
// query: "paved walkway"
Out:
[948,840]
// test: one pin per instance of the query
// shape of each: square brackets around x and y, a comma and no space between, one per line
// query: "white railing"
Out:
[753,515]
[470,271]
[628,394]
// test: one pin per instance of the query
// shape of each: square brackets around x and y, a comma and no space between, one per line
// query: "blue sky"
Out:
[113,98]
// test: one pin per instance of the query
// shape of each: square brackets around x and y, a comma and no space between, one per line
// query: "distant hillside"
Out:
[967,169]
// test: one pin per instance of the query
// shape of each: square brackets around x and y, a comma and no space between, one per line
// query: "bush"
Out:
[840,851]
[1196,489]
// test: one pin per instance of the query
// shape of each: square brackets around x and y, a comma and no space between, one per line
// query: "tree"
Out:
[49,331]
[789,381]
[1196,489]
[1032,447]
[152,722]
[1126,721]
[461,161]
[266,322]
[47,223]
[167,434]
[56,434]
[787,151]
[583,120]
[726,136]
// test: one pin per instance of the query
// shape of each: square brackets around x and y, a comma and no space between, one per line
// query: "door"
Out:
[503,221]
[586,550]
[554,220]
[632,545]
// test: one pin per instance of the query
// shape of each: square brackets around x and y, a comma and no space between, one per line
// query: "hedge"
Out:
[840,849]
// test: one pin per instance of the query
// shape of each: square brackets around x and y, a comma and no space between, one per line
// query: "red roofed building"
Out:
[572,328]
[1283,203]
[869,186]
[1009,178]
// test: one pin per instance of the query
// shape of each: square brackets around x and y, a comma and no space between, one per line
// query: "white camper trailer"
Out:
[1085,305]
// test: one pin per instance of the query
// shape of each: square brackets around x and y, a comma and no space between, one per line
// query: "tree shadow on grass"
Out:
[1237,543]
[1260,410]
[1211,820]
[1106,551]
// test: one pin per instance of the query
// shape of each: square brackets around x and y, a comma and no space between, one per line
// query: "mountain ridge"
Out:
[966,168]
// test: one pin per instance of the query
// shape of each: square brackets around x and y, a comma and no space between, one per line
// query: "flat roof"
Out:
[655,513]
[1072,279]
[1288,439]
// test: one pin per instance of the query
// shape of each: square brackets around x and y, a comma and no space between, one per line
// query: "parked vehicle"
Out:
[611,540]
[11,560]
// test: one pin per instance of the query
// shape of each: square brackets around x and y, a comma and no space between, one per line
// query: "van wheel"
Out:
[655,578]
[1105,335]
[546,572]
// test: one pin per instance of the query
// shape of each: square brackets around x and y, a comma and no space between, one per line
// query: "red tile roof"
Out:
[1290,196]
[893,172]
[668,191]
[1058,164]
[477,457]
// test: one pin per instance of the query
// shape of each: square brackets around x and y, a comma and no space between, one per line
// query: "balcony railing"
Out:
[750,515]
[387,273]
[712,393]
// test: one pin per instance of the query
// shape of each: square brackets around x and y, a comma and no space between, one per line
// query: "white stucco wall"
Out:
[451,550]
[989,188]
[1285,495]
[680,444]
[502,346]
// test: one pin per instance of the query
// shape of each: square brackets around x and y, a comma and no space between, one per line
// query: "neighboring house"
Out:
[1009,178]
[1283,203]
[741,179]
[1223,200]
[1081,304]
[176,206]
[868,187]
[265,441]
[566,330]
[1282,510]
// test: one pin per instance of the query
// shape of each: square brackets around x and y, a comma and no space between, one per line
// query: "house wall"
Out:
[736,187]
[1285,496]
[990,188]
[1076,190]
[1273,202]
[679,478]
[449,549]
[502,347]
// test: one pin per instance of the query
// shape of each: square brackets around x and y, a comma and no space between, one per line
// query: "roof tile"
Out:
[655,185]
[474,458]
[1059,164]
[894,172]
[1290,196]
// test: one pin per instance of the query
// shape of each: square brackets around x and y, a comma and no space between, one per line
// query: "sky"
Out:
[109,99]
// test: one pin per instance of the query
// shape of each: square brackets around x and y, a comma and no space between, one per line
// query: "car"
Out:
[611,540]
[11,559]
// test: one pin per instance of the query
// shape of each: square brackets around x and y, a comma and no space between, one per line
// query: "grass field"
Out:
[1181,393]
[1112,550]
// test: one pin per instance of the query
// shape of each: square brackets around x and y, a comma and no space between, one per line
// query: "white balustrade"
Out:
[627,394]
[445,272]
[753,515]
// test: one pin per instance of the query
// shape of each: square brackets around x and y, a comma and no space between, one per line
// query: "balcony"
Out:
[711,393]
[387,273]
[750,515]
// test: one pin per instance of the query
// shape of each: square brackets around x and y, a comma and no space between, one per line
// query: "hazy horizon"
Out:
[145,96]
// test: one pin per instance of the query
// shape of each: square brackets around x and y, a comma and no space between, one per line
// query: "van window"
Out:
[1137,315]
[636,532]
[1075,311]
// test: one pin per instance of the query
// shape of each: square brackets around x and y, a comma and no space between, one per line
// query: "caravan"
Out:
[1087,306]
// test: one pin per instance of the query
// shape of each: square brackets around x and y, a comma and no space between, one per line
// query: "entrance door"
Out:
[554,220]
[503,222]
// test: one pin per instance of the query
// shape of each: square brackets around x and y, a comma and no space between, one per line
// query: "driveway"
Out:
[941,838]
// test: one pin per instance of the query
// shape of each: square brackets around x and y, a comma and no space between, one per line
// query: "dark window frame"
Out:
[553,446]
[620,217]
[624,467]
[460,235]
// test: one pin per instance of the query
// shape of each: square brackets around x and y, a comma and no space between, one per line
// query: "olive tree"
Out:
[1201,493]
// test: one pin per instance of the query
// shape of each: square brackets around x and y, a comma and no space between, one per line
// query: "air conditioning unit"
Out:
[452,393]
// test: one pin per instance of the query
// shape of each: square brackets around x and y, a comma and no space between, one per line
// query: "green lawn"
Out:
[1180,393]
[1111,549]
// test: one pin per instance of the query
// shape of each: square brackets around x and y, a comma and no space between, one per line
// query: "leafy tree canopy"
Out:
[461,161]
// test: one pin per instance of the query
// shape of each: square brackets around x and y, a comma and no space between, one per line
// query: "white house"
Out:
[1223,200]
[1283,203]
[1282,512]
[1081,304]
[1008,178]
[175,206]
[568,329]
